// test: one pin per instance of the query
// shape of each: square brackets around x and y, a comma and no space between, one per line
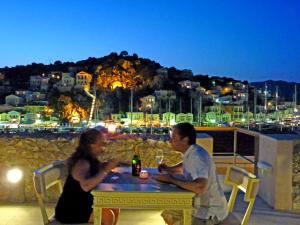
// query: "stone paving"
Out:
[262,214]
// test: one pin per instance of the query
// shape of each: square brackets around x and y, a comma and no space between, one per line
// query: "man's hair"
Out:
[186,130]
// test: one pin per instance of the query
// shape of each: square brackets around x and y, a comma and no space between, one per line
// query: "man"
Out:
[197,175]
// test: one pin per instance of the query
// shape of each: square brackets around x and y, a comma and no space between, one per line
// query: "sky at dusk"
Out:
[247,40]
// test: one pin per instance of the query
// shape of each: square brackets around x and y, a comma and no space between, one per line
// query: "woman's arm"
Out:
[80,172]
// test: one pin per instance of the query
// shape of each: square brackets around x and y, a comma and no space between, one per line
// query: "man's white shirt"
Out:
[197,163]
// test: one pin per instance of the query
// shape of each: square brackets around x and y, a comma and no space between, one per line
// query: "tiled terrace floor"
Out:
[262,214]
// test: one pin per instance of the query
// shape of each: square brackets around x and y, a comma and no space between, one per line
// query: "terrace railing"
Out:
[238,143]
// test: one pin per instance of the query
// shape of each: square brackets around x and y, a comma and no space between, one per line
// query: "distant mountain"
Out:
[285,89]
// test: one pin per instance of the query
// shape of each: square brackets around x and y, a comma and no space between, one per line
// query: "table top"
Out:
[121,180]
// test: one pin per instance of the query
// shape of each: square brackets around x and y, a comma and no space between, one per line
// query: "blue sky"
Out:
[247,40]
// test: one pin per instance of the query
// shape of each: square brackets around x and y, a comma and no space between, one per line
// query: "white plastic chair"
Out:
[248,183]
[53,174]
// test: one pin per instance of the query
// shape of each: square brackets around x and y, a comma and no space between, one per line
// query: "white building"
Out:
[148,102]
[227,99]
[189,84]
[39,83]
[35,83]
[44,84]
[34,96]
[13,100]
[66,83]
[83,80]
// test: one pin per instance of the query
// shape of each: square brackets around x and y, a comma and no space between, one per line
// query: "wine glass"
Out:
[159,157]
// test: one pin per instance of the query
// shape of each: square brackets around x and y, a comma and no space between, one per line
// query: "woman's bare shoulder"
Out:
[80,169]
[82,162]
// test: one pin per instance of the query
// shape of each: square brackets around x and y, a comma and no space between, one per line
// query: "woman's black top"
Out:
[74,204]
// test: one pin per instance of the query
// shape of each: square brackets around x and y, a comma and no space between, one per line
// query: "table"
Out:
[122,190]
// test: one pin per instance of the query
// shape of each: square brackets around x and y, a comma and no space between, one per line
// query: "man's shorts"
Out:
[176,217]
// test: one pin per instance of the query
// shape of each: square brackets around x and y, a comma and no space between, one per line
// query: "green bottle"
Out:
[136,165]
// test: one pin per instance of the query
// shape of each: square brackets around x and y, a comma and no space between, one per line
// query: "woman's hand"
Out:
[111,165]
[124,164]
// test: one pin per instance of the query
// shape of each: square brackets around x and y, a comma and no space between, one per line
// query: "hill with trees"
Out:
[114,76]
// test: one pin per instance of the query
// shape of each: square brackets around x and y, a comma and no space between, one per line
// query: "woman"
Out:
[85,173]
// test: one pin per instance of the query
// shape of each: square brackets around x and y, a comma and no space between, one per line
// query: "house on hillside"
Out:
[35,83]
[83,80]
[66,83]
[189,84]
[14,100]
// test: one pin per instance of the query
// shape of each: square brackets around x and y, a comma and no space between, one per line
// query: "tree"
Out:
[124,53]
[122,75]
[69,110]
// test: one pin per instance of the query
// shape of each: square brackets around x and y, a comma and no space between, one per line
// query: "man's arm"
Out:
[198,186]
[171,169]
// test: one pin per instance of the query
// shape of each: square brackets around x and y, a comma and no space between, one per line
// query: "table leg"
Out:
[97,215]
[187,217]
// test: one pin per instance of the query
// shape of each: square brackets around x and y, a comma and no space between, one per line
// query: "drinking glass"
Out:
[159,156]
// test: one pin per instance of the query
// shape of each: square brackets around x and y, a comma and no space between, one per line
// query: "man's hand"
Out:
[166,178]
[163,167]
[170,169]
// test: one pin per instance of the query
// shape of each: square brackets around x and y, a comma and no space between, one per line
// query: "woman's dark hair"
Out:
[186,130]
[83,150]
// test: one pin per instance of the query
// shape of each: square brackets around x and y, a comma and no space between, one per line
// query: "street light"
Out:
[111,128]
[171,96]
[200,106]
[14,175]
[248,110]
[131,106]
[188,85]
[93,105]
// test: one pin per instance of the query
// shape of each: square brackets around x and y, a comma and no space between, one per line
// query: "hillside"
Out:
[112,77]
[19,75]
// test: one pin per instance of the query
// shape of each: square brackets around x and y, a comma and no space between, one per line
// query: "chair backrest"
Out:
[242,180]
[46,177]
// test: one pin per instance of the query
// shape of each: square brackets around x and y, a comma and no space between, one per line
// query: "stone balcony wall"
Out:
[296,177]
[279,177]
[32,153]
